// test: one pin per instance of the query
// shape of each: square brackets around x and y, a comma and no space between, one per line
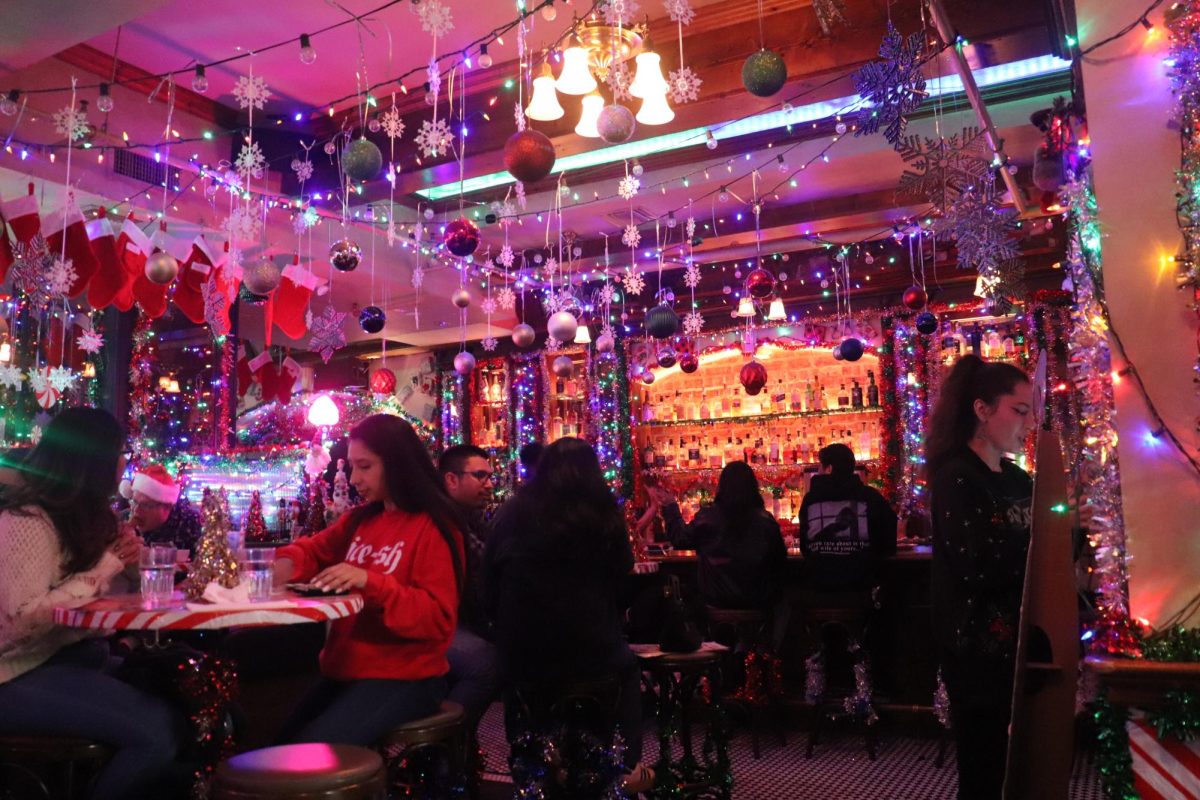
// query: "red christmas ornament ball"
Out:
[462,237]
[383,381]
[760,283]
[688,363]
[528,155]
[753,377]
[915,298]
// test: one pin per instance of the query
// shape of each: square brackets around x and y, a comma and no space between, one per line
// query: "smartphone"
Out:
[309,590]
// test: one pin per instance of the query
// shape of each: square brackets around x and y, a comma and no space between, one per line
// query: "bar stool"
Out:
[307,771]
[428,757]
[677,678]
[848,622]
[49,766]
[748,627]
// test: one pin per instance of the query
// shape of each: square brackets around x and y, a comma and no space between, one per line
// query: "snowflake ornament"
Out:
[982,232]
[28,271]
[436,18]
[391,123]
[519,116]
[61,378]
[680,11]
[606,294]
[619,12]
[418,276]
[71,122]
[303,169]
[216,305]
[39,380]
[691,276]
[251,91]
[519,193]
[894,86]
[489,344]
[553,345]
[628,187]
[488,306]
[940,170]
[11,376]
[90,342]
[435,138]
[243,224]
[690,227]
[828,13]
[251,161]
[693,323]
[685,85]
[305,220]
[551,265]
[634,282]
[619,80]
[631,237]
[506,299]
[328,333]
[433,76]
[506,257]
[506,213]
[61,276]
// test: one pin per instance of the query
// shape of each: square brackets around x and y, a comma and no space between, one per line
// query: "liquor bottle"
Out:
[730,453]
[1009,346]
[856,396]
[705,408]
[864,444]
[805,450]
[716,458]
[995,347]
[797,398]
[843,399]
[556,425]
[680,412]
[694,454]
[735,404]
[779,400]
[773,451]
[571,387]
[764,402]
[951,346]
[648,456]
[573,422]
[810,397]
[689,407]
[726,404]
[872,390]
[559,387]
[670,453]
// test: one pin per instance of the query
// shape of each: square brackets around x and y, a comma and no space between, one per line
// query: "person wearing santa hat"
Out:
[157,511]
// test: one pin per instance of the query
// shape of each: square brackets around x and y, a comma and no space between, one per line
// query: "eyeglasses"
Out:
[480,475]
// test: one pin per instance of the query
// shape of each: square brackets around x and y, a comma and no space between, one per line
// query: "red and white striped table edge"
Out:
[124,612]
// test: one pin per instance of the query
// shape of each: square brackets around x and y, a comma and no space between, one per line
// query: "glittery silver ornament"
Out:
[616,124]
[464,363]
[362,160]
[563,367]
[523,335]
[262,276]
[605,343]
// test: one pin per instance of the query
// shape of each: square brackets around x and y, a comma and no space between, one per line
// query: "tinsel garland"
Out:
[604,402]
[941,702]
[1113,761]
[224,420]
[141,374]
[624,413]
[208,685]
[814,678]
[889,441]
[566,762]
[762,680]
[909,352]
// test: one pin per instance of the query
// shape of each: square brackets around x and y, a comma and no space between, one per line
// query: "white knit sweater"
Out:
[33,583]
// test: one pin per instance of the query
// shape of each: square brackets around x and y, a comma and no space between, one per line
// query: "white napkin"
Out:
[238,597]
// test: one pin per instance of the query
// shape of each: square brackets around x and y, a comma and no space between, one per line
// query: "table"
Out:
[124,612]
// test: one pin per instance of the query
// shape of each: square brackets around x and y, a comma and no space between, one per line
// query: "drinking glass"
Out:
[258,565]
[156,568]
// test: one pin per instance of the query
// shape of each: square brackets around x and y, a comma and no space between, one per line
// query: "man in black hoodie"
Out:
[846,527]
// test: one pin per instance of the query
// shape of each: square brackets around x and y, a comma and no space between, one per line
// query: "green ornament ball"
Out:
[362,160]
[764,73]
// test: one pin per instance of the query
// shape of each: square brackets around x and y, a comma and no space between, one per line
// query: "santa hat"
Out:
[153,481]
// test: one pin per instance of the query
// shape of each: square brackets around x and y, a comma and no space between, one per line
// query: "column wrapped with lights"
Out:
[909,358]
[889,441]
[453,408]
[604,401]
[141,384]
[527,392]
[1090,369]
[624,416]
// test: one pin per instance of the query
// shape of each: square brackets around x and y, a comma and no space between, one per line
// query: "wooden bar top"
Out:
[918,553]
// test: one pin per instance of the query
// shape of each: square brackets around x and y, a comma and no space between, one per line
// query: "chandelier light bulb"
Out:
[543,106]
[199,80]
[307,54]
[710,141]
[655,110]
[592,105]
[104,102]
[648,80]
[575,77]
[637,169]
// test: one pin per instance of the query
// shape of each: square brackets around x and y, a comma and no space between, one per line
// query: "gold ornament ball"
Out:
[262,276]
[461,298]
[161,268]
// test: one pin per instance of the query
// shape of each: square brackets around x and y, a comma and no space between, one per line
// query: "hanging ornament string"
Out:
[762,40]
[68,199]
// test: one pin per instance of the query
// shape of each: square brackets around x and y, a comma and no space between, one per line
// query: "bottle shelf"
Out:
[767,469]
[758,418]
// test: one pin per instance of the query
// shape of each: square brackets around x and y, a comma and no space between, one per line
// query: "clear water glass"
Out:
[258,568]
[156,568]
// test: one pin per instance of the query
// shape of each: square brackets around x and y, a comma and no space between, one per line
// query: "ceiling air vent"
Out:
[621,218]
[140,168]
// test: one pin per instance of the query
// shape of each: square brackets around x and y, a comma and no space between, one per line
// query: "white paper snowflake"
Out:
[328,333]
[304,220]
[61,276]
[634,282]
[11,376]
[436,18]
[488,306]
[691,276]
[71,122]
[391,123]
[232,181]
[392,236]
[631,237]
[216,306]
[303,169]
[250,161]
[619,80]
[251,91]
[506,298]
[433,76]
[680,11]
[519,116]
[628,187]
[506,256]
[690,227]
[90,342]
[38,381]
[551,265]
[606,294]
[553,345]
[693,323]
[507,214]
[489,344]
[418,276]
[435,138]
[607,330]
[61,378]
[243,224]
[685,85]
[619,12]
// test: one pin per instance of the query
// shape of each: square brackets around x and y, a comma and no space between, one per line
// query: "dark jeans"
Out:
[361,712]
[980,707]
[70,695]
[474,676]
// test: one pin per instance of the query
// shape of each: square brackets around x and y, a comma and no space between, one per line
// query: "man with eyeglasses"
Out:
[474,666]
[155,511]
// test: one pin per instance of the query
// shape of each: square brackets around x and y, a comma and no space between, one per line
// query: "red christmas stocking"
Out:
[265,373]
[133,248]
[151,297]
[6,253]
[289,373]
[292,298]
[192,275]
[245,376]
[68,223]
[22,215]
[110,276]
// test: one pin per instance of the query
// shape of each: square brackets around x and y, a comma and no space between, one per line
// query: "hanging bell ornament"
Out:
[563,366]
[461,298]
[464,363]
[345,255]
[161,268]
[523,335]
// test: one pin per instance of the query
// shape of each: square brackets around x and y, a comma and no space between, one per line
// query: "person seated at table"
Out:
[403,552]
[62,546]
[740,548]
[846,527]
[158,511]
[554,562]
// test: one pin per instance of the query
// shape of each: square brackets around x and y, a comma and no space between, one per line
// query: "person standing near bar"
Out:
[981,505]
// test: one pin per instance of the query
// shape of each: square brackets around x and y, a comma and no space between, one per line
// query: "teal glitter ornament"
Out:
[362,160]
[764,73]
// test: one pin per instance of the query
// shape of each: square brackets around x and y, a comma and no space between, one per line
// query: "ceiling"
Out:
[849,197]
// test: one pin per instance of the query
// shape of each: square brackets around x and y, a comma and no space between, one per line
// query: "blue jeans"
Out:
[70,695]
[474,676]
[361,712]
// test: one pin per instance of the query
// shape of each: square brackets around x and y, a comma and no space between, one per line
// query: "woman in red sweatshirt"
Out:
[402,551]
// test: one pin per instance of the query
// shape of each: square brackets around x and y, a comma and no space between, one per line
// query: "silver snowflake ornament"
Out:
[216,304]
[685,85]
[433,76]
[61,378]
[435,138]
[251,161]
[829,13]
[436,18]
[619,12]
[72,122]
[506,299]
[631,237]
[506,213]
[519,116]
[690,227]
[506,256]
[391,123]
[553,345]
[893,86]
[680,11]
[489,344]
[633,281]
[328,333]
[251,91]
[90,342]
[418,276]
[303,169]
[39,380]
[691,276]
[243,224]
[606,294]
[693,323]
[61,276]
[619,80]
[551,265]
[28,271]
[940,170]
[628,187]
[982,232]
[488,306]
[11,376]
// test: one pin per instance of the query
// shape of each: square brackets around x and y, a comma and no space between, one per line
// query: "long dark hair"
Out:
[412,482]
[953,421]
[571,499]
[71,475]
[737,492]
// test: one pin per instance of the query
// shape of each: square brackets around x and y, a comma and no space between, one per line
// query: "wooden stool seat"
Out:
[698,660]
[445,720]
[308,771]
[436,740]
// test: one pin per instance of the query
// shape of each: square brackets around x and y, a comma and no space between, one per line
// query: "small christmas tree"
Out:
[316,508]
[256,524]
[214,560]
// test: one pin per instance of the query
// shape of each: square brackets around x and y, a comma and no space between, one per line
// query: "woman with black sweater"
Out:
[981,508]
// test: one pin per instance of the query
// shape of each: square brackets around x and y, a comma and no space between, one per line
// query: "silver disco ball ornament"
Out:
[345,255]
[616,124]
[523,335]
[161,268]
